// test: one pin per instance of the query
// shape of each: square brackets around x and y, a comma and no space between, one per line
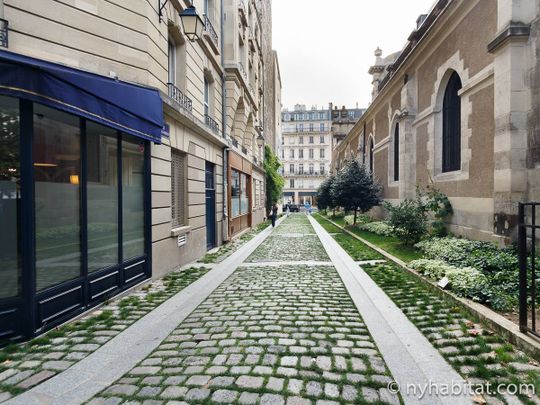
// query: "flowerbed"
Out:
[476,270]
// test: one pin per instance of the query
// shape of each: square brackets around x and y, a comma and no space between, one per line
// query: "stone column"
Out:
[407,140]
[512,104]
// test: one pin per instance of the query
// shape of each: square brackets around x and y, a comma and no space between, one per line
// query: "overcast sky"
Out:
[325,48]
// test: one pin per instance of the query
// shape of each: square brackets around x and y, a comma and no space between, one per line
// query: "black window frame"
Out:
[451,126]
[396,152]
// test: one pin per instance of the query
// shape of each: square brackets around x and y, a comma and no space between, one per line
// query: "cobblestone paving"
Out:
[267,335]
[24,366]
[293,240]
[228,249]
[475,352]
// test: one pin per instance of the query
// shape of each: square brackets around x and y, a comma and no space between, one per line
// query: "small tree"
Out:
[324,194]
[408,219]
[354,188]
[274,180]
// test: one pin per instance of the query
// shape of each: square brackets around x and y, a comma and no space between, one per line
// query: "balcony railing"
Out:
[176,94]
[211,31]
[304,174]
[211,123]
[4,25]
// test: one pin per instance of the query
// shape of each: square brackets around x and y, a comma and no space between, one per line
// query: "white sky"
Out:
[325,48]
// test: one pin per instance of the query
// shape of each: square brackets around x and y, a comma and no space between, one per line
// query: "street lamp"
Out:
[192,24]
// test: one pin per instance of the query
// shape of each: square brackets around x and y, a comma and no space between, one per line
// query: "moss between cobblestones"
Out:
[474,351]
[62,347]
[229,248]
[281,248]
[266,331]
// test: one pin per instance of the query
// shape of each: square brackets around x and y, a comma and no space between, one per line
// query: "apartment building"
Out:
[119,146]
[305,152]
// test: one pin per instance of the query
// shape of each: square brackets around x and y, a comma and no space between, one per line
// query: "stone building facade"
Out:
[119,139]
[244,82]
[457,109]
[306,150]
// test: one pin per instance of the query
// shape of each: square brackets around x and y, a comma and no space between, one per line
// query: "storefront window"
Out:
[235,193]
[102,196]
[10,197]
[132,196]
[244,200]
[57,169]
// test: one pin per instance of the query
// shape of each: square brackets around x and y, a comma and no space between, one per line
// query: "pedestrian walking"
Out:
[273,215]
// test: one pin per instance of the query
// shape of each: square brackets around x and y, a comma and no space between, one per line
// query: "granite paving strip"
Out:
[411,358]
[95,372]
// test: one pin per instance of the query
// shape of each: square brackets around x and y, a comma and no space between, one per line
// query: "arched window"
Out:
[451,138]
[371,155]
[396,152]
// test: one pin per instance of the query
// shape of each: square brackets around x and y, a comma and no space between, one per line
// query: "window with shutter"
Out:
[178,188]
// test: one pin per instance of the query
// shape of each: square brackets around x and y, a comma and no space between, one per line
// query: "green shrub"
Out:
[484,256]
[360,219]
[409,220]
[434,269]
[379,227]
[439,208]
[468,282]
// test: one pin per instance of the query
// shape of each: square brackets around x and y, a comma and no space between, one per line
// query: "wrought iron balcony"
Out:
[211,31]
[176,94]
[234,142]
[211,123]
[4,25]
[244,150]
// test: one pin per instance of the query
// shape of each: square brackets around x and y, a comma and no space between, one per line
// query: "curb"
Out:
[507,329]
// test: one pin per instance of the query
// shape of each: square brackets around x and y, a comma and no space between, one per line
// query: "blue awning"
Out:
[127,107]
[307,193]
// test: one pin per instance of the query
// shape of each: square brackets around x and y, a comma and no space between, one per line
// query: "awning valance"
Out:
[130,108]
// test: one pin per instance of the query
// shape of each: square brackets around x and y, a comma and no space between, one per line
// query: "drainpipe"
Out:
[225,222]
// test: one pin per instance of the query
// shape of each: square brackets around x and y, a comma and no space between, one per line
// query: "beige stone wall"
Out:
[413,97]
[99,36]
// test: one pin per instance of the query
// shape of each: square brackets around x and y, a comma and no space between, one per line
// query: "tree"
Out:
[409,220]
[324,194]
[274,180]
[354,188]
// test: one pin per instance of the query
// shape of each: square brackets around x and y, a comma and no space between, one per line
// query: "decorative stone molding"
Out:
[514,30]
[435,123]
